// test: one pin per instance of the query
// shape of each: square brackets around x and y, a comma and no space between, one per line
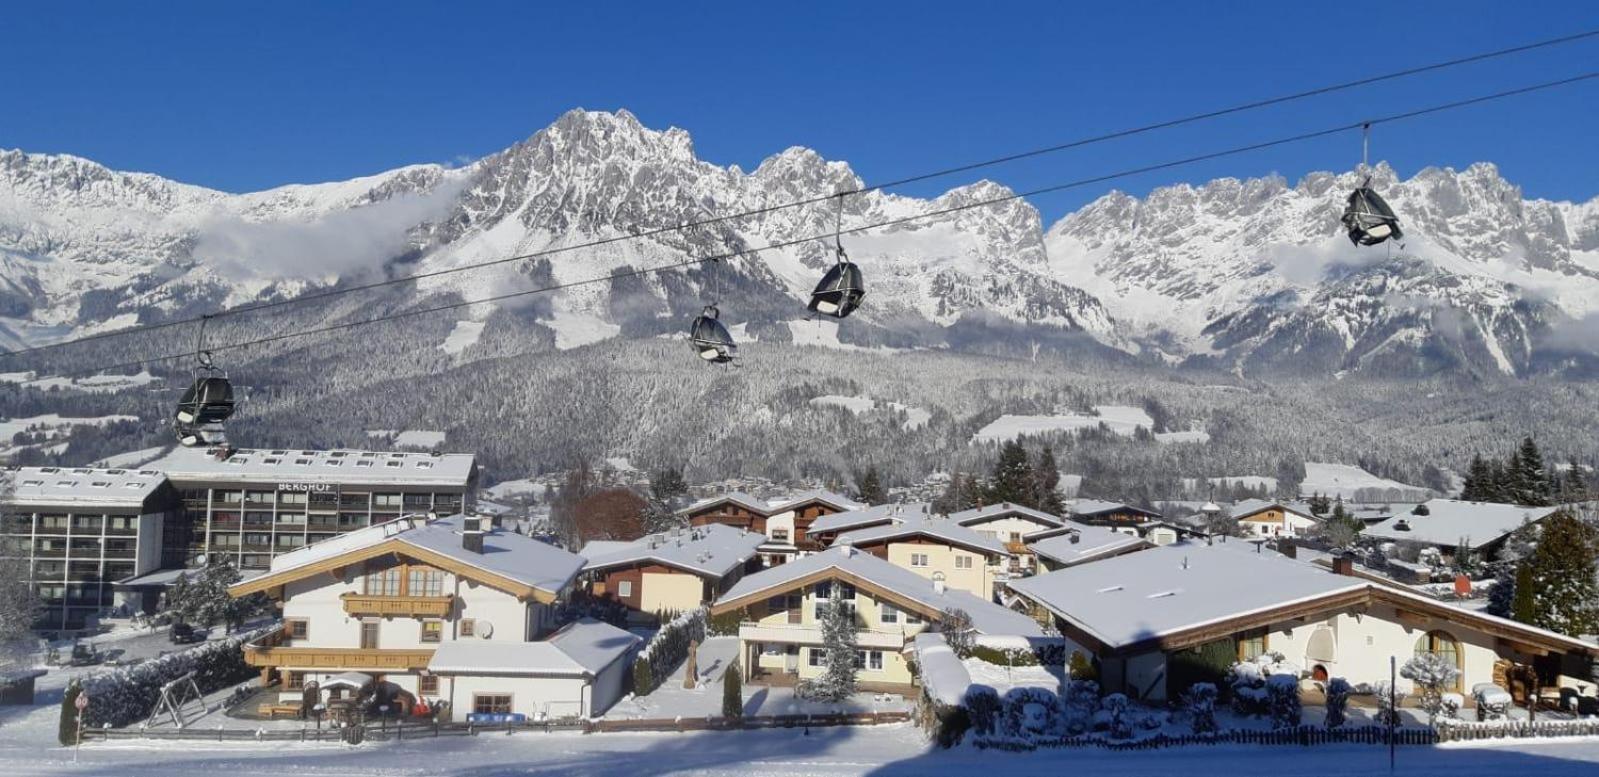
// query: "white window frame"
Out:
[887,613]
[919,560]
[624,589]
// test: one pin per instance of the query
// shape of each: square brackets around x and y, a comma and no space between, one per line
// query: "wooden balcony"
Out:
[269,651]
[398,606]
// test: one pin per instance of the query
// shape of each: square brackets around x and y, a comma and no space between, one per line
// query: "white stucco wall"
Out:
[534,697]
[978,579]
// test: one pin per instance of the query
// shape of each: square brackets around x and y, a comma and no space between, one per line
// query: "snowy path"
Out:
[885,751]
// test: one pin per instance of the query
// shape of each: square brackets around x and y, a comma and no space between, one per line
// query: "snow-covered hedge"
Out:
[128,695]
[1338,691]
[1248,681]
[667,649]
[1200,704]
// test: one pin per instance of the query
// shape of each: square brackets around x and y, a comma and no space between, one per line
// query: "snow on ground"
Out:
[93,383]
[1002,678]
[1200,436]
[574,329]
[52,423]
[1121,419]
[411,438]
[1344,480]
[463,336]
[620,464]
[509,488]
[915,417]
[132,459]
[824,334]
[1247,481]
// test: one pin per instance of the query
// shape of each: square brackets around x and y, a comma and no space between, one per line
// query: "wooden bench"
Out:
[272,711]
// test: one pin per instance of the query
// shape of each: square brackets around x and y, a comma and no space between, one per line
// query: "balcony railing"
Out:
[269,651]
[398,606]
[812,635]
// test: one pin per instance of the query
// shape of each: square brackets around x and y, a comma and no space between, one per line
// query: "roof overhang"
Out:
[273,581]
[829,573]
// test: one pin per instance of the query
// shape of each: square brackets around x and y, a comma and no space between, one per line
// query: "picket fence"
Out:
[1305,736]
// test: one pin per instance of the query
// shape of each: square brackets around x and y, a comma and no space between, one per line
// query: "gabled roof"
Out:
[581,649]
[881,579]
[300,466]
[867,516]
[90,486]
[510,562]
[1249,507]
[1175,596]
[708,551]
[941,529]
[738,498]
[1089,507]
[988,513]
[1091,543]
[1450,520]
[832,499]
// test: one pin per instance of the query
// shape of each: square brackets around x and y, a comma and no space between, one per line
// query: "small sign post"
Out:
[82,703]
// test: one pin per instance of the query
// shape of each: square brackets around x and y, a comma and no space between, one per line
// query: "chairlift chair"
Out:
[710,338]
[1368,218]
[840,291]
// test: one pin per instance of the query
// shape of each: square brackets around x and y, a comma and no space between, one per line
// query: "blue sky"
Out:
[244,96]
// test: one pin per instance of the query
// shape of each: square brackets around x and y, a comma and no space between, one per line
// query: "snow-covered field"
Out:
[51,423]
[131,459]
[92,384]
[824,334]
[1344,480]
[410,438]
[463,336]
[915,417]
[1121,419]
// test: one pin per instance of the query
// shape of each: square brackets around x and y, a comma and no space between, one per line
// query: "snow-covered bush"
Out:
[1451,705]
[1247,680]
[1493,703]
[1388,701]
[1282,694]
[1199,701]
[1338,691]
[982,708]
[1081,702]
[128,695]
[667,649]
[1114,707]
[1032,712]
[1431,674]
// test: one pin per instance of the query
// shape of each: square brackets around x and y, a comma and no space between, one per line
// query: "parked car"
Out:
[184,634]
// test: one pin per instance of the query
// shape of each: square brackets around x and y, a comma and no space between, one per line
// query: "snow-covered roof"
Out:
[1450,520]
[1249,507]
[300,466]
[943,674]
[739,498]
[1142,595]
[89,486]
[711,551]
[866,516]
[1080,544]
[978,515]
[923,526]
[580,649]
[1097,506]
[508,555]
[873,572]
[831,498]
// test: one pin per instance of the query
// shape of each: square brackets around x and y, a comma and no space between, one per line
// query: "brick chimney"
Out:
[1343,564]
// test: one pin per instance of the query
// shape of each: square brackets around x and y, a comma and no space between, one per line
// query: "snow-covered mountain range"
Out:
[1245,274]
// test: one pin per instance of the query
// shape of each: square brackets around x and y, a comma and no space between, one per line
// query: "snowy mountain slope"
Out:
[1248,274]
[1257,273]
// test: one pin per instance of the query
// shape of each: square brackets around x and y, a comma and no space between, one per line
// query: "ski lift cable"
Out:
[630,273]
[965,168]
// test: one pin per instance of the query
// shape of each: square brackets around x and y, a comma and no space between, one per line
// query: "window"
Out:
[780,535]
[963,562]
[846,592]
[817,656]
[874,660]
[290,541]
[822,591]
[383,582]
[432,631]
[911,617]
[425,581]
[298,628]
[887,613]
[294,681]
[918,559]
[777,604]
[292,497]
[467,626]
[624,589]
[491,703]
[427,685]
[386,500]
[369,635]
[1251,645]
[1443,645]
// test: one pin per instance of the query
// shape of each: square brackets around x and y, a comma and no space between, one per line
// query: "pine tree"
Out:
[733,692]
[1517,547]
[1478,480]
[839,636]
[1046,484]
[1524,602]
[1012,480]
[1565,592]
[1530,481]
[869,488]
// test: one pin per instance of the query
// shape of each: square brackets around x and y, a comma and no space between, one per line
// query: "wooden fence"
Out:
[1305,736]
[1516,729]
[398,732]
